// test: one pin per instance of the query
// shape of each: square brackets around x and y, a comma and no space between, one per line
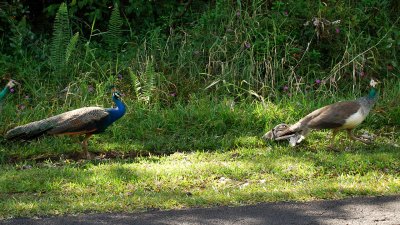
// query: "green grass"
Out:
[202,124]
[199,179]
[205,153]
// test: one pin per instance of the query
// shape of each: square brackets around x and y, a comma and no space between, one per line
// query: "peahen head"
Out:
[372,93]
[7,88]
[11,84]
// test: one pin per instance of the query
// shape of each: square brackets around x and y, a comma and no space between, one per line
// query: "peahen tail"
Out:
[32,130]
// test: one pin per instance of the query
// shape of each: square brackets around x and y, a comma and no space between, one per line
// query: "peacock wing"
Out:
[79,121]
[334,116]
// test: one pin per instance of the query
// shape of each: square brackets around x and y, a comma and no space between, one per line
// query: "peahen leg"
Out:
[354,138]
[303,134]
[334,132]
[85,146]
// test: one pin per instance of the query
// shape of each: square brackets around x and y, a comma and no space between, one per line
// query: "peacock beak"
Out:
[117,95]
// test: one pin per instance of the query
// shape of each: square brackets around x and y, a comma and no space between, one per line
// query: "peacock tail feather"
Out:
[77,121]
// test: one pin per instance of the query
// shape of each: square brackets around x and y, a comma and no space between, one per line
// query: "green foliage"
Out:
[60,40]
[144,86]
[15,32]
[113,36]
[71,47]
[143,15]
[136,85]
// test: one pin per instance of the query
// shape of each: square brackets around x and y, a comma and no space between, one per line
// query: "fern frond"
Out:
[71,46]
[150,81]
[61,37]
[137,86]
[114,35]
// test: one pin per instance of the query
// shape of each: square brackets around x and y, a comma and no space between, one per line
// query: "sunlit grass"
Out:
[236,177]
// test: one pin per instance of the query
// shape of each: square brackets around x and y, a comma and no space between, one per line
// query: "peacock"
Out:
[344,115]
[7,89]
[84,121]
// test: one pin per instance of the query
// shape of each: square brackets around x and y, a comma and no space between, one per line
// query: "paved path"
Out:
[365,211]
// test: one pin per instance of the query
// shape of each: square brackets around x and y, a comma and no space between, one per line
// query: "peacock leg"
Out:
[332,145]
[85,146]
[354,138]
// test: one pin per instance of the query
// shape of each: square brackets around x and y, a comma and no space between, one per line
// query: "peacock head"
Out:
[116,95]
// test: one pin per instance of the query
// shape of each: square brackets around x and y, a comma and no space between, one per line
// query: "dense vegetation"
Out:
[197,76]
[242,48]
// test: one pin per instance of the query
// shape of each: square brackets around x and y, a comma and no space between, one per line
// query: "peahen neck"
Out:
[369,100]
[3,93]
[372,94]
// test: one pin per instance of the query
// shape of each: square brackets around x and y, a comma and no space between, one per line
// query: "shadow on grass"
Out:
[190,180]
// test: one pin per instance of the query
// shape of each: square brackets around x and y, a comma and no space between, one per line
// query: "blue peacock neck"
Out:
[118,111]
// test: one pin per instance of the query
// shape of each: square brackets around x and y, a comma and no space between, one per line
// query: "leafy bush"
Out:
[262,49]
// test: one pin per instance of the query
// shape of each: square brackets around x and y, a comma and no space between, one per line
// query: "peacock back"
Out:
[78,120]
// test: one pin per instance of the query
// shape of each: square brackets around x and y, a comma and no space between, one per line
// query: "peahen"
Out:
[84,121]
[7,89]
[338,116]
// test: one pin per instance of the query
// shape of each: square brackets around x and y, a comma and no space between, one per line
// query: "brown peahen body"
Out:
[84,121]
[338,116]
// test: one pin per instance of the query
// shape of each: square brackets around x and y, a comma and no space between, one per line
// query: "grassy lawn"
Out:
[231,166]
[201,88]
[199,179]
